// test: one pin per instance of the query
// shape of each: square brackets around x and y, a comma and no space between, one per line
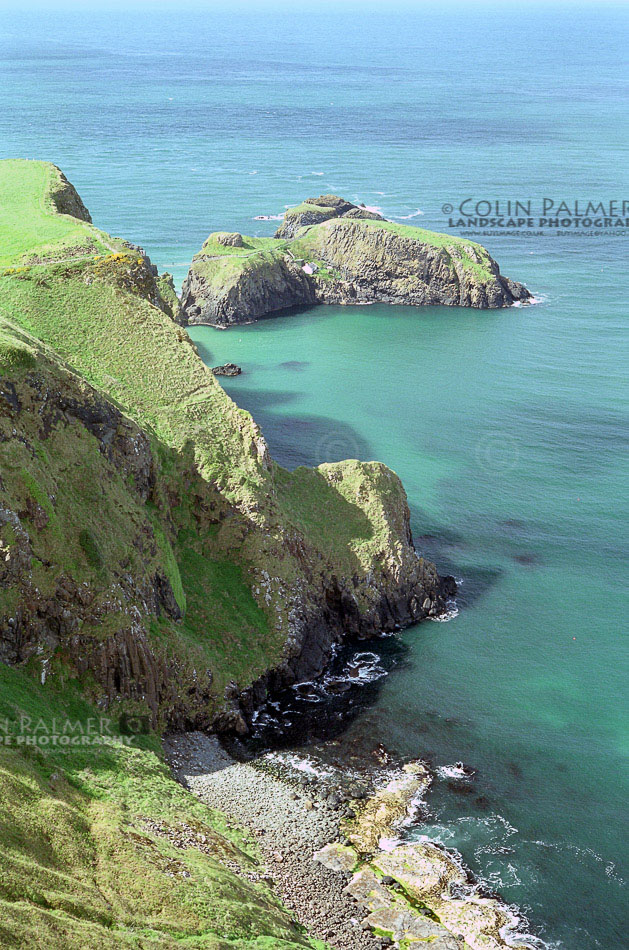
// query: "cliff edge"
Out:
[151,544]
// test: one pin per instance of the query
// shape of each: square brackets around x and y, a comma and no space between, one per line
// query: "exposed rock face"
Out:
[67,200]
[261,287]
[371,264]
[51,610]
[147,539]
[167,299]
[388,807]
[431,876]
[316,210]
[228,239]
[332,252]
[416,892]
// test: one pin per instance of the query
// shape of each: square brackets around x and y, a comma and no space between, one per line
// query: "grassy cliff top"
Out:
[310,240]
[213,247]
[31,225]
[221,265]
[88,837]
[309,206]
[97,310]
[306,245]
[85,294]
[433,238]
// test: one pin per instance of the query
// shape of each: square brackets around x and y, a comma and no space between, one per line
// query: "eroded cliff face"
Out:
[263,286]
[151,547]
[329,251]
[90,575]
[83,571]
[367,264]
[67,200]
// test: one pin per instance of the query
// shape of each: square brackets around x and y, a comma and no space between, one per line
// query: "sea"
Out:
[507,427]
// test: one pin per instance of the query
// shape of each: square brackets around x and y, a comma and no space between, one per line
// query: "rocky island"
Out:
[330,251]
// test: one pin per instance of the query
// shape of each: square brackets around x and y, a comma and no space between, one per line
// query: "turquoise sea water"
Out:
[507,427]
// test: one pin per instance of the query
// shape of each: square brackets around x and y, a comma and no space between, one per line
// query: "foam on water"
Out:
[456,771]
[407,217]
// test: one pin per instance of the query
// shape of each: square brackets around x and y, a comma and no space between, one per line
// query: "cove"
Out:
[509,460]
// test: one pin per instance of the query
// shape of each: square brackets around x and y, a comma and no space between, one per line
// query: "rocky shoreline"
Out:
[329,846]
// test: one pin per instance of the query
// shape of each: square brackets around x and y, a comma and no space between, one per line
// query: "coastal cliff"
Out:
[159,570]
[329,251]
[188,571]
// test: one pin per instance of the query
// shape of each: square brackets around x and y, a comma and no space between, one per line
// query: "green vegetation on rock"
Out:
[473,256]
[143,475]
[30,224]
[328,250]
[155,562]
[99,847]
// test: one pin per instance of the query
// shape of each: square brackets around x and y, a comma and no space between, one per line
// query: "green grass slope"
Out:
[151,555]
[99,847]
[30,225]
[186,521]
[96,519]
[97,314]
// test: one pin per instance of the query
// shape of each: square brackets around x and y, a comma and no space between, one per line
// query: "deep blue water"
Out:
[508,428]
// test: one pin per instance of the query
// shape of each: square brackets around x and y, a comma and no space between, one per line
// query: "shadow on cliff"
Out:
[325,708]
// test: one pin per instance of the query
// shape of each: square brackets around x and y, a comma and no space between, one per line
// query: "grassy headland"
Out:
[155,562]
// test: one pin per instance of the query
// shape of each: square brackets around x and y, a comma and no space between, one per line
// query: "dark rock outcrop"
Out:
[264,287]
[148,541]
[228,369]
[67,200]
[101,624]
[229,239]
